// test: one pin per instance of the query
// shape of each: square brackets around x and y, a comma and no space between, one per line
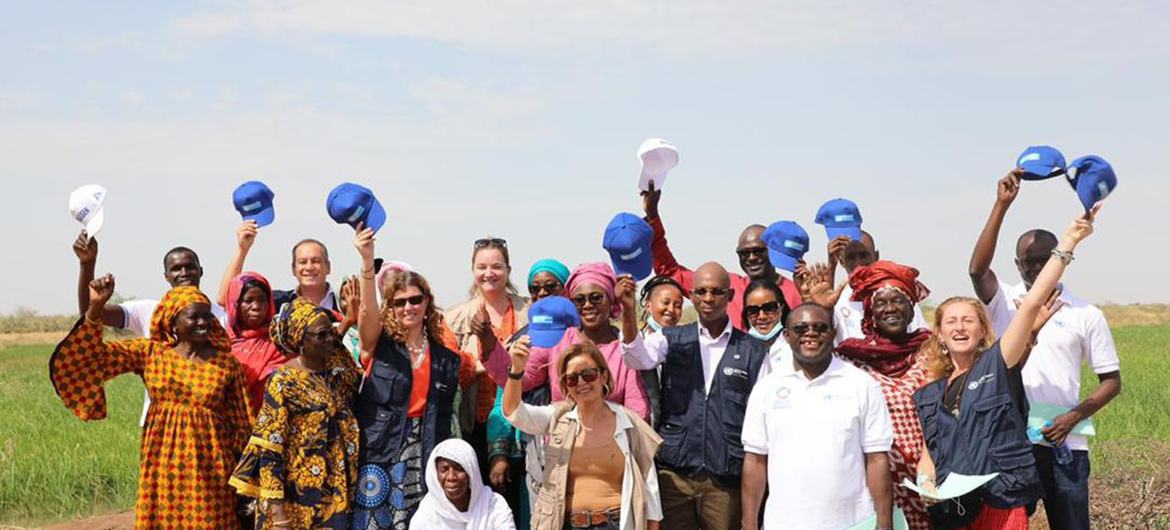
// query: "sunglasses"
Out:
[321,336]
[412,300]
[714,291]
[588,375]
[550,288]
[592,298]
[490,242]
[745,252]
[820,328]
[767,307]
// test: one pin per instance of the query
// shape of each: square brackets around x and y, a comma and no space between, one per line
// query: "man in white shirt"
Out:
[846,312]
[1077,334]
[816,433]
[180,267]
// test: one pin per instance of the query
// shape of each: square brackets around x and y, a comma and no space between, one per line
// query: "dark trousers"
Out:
[697,503]
[1066,488]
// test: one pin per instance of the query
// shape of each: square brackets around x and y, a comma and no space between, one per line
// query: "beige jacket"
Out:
[458,318]
[636,439]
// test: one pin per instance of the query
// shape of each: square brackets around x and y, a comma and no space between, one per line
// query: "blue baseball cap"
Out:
[549,318]
[627,239]
[841,218]
[1093,178]
[787,242]
[351,204]
[1040,162]
[253,199]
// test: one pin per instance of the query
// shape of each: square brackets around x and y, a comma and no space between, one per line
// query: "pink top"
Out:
[542,368]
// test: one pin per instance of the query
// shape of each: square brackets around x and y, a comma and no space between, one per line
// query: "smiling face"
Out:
[809,332]
[580,368]
[891,312]
[665,305]
[961,328]
[193,324]
[252,308]
[410,306]
[593,305]
[454,479]
[310,264]
[762,309]
[753,253]
[859,253]
[491,270]
[181,268]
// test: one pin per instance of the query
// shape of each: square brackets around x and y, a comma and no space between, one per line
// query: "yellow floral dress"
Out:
[195,430]
[304,446]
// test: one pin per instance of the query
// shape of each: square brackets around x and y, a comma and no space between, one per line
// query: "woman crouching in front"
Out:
[599,462]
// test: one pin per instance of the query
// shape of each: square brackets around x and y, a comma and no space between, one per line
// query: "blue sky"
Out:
[521,119]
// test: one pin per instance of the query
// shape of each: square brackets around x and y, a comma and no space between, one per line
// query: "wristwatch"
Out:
[517,375]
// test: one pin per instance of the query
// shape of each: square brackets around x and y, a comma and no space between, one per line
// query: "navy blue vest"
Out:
[382,404]
[701,434]
[990,434]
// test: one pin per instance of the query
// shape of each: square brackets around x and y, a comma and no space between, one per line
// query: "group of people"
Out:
[793,401]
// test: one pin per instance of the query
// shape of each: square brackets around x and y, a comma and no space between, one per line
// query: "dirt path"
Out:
[112,521]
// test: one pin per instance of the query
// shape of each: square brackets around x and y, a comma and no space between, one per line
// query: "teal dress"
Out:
[505,440]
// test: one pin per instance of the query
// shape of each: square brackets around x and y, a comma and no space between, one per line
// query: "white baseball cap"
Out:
[658,156]
[85,205]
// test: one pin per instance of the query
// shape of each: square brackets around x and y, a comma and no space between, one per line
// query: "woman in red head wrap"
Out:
[890,353]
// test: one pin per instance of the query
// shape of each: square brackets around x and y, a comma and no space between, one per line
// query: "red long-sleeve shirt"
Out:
[666,265]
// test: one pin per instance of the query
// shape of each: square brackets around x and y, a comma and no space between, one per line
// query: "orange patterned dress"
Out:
[195,431]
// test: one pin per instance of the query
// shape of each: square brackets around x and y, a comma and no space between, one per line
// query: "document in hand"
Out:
[1041,413]
[871,523]
[955,485]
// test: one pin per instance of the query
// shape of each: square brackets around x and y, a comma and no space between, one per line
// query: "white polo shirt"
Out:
[816,434]
[847,317]
[1077,334]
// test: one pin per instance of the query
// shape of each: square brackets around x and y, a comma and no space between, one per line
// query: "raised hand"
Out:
[837,247]
[519,354]
[816,285]
[100,291]
[246,235]
[85,248]
[1050,307]
[363,241]
[650,201]
[481,321]
[1008,187]
[352,294]
[624,290]
[1081,227]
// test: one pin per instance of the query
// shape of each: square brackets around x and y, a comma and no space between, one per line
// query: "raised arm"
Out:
[1016,340]
[86,250]
[982,277]
[625,293]
[664,262]
[369,318]
[245,236]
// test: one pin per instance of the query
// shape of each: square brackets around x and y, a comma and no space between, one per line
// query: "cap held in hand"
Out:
[787,243]
[351,204]
[627,239]
[549,318]
[253,199]
[85,206]
[1093,178]
[658,157]
[840,217]
[1040,162]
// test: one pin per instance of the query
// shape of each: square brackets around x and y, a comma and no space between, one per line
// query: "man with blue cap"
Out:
[752,252]
[1077,334]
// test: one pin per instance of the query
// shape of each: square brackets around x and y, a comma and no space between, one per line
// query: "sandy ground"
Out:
[113,521]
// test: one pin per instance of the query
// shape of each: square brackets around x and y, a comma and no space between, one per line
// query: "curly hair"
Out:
[396,281]
[939,363]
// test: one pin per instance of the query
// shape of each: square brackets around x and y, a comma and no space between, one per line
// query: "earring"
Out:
[943,347]
[604,390]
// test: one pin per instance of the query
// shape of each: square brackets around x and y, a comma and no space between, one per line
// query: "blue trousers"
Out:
[1066,488]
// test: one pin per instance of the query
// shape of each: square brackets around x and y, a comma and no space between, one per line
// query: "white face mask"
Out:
[765,336]
[653,324]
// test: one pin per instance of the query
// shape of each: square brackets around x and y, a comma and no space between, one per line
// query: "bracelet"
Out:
[517,375]
[370,277]
[1066,257]
[88,320]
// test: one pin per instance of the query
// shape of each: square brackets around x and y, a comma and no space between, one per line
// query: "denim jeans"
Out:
[1066,488]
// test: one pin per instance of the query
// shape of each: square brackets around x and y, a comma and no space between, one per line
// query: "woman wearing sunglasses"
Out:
[764,313]
[599,471]
[407,398]
[493,294]
[599,297]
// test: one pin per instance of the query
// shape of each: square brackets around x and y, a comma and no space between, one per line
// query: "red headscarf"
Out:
[887,356]
[253,347]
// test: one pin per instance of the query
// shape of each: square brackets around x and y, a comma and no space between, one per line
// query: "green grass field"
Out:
[54,467]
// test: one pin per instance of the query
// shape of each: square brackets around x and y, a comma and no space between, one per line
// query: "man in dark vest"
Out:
[708,371]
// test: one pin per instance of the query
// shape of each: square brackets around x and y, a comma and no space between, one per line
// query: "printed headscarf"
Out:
[601,275]
[176,300]
[551,266]
[288,328]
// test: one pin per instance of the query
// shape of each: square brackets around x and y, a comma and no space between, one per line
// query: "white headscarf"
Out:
[486,510]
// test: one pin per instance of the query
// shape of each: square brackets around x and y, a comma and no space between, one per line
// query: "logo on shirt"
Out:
[985,379]
[734,372]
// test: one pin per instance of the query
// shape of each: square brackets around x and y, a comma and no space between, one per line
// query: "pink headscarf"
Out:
[601,275]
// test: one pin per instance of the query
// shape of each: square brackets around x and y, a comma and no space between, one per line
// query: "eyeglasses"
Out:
[549,287]
[323,335]
[490,242]
[592,298]
[820,328]
[756,251]
[713,291]
[767,307]
[588,375]
[412,300]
